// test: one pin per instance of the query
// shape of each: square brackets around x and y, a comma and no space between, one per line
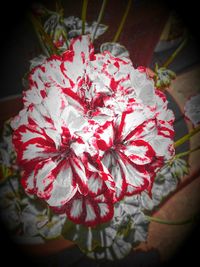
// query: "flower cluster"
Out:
[163,77]
[92,131]
[62,29]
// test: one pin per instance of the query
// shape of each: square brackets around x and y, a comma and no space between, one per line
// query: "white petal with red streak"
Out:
[166,116]
[161,101]
[53,70]
[134,175]
[162,146]
[146,131]
[90,213]
[44,178]
[27,133]
[144,87]
[54,103]
[110,160]
[139,152]
[54,135]
[63,187]
[104,209]
[73,99]
[104,135]
[95,184]
[82,44]
[72,119]
[129,121]
[81,177]
[35,152]
[102,173]
[32,96]
[76,209]
[75,68]
[28,182]
[20,119]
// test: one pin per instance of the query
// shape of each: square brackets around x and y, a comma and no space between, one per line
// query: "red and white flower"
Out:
[92,131]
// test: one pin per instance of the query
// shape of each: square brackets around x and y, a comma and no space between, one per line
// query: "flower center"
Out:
[65,150]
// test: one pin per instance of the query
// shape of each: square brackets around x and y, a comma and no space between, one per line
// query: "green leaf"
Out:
[88,238]
[67,228]
[118,250]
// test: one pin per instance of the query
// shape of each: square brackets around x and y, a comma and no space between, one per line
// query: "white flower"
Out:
[93,130]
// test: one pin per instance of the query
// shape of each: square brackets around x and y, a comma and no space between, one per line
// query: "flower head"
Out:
[163,77]
[57,30]
[92,131]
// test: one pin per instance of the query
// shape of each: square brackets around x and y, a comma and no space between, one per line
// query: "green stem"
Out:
[38,36]
[4,171]
[49,213]
[83,16]
[162,221]
[176,52]
[99,18]
[121,25]
[12,188]
[59,8]
[187,136]
[183,154]
[44,39]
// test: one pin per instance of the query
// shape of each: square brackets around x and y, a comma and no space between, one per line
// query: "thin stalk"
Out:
[43,37]
[99,18]
[59,8]
[176,52]
[12,188]
[187,136]
[5,171]
[39,36]
[121,25]
[183,154]
[83,16]
[49,213]
[162,221]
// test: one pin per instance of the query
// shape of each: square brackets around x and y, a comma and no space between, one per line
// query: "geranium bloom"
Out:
[92,131]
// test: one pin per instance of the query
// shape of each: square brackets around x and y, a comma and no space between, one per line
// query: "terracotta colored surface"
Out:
[50,247]
[186,85]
